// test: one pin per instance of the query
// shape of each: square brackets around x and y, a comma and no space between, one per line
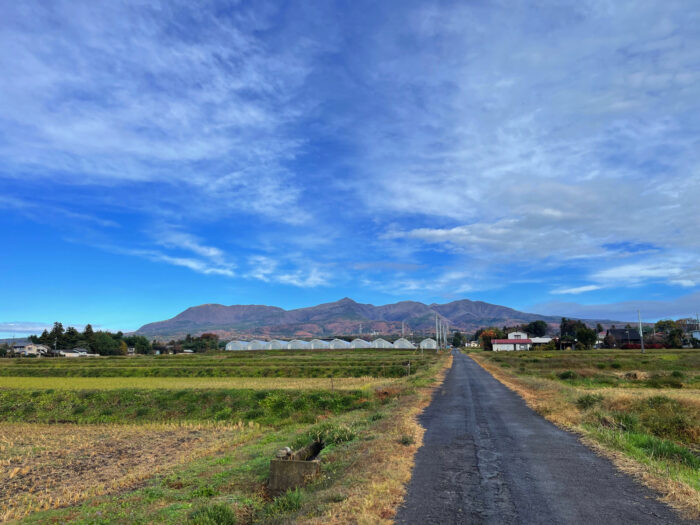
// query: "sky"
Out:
[158,155]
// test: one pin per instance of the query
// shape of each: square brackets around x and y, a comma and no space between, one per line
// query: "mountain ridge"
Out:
[342,317]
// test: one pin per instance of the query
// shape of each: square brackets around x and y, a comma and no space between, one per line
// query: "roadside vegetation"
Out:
[643,410]
[192,454]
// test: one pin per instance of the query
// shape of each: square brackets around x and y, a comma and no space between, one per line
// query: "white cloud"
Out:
[577,290]
[290,271]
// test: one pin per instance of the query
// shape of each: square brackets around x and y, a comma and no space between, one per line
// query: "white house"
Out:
[298,344]
[319,344]
[511,344]
[31,349]
[360,343]
[428,344]
[517,335]
[539,341]
[381,343]
[474,344]
[278,344]
[404,343]
[339,344]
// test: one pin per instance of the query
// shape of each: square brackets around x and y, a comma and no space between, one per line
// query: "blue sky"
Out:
[541,155]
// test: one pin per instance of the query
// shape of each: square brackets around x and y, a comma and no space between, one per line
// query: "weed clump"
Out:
[568,374]
[587,401]
[218,514]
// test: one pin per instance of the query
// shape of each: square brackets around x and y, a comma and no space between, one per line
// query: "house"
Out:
[404,344]
[539,341]
[517,335]
[624,336]
[339,344]
[381,343]
[68,353]
[428,344]
[474,344]
[360,343]
[31,349]
[695,334]
[500,345]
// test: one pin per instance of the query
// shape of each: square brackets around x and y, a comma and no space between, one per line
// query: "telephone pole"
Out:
[641,333]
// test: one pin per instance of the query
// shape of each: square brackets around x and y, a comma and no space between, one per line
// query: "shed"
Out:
[511,344]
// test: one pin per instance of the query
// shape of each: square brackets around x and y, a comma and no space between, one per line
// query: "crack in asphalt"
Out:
[487,458]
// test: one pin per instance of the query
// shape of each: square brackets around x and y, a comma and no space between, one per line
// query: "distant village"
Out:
[572,334]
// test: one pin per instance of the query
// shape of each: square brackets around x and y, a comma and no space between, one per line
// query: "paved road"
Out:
[488,458]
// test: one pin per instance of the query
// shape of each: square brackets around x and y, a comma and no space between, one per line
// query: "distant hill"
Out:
[344,317]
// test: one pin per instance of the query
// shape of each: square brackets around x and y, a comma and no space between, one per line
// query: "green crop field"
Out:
[174,439]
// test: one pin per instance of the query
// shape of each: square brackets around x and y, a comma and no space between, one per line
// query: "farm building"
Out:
[428,344]
[360,343]
[339,344]
[381,343]
[278,344]
[257,344]
[298,344]
[500,345]
[403,343]
[237,345]
[517,335]
[319,344]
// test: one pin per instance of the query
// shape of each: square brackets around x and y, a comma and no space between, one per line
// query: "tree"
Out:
[536,328]
[105,344]
[457,339]
[123,349]
[665,325]
[488,335]
[56,336]
[89,337]
[599,328]
[71,337]
[586,336]
[609,341]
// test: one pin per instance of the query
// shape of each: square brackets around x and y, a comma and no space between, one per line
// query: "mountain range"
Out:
[344,317]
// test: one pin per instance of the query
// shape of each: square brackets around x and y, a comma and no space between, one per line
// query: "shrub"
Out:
[616,366]
[218,514]
[588,401]
[569,374]
[290,501]
[406,440]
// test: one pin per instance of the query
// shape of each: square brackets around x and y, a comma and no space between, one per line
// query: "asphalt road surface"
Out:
[488,458]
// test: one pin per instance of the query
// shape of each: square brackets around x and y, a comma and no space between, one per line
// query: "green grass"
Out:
[140,406]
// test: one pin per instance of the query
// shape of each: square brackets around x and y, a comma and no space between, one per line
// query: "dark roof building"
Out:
[623,335]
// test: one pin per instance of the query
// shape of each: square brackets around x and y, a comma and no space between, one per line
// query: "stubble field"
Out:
[90,443]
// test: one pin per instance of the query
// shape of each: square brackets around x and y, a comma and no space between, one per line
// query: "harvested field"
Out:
[197,383]
[50,466]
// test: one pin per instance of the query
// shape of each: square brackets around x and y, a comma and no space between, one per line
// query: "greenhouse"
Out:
[237,345]
[360,343]
[428,344]
[278,344]
[298,344]
[403,343]
[256,344]
[319,344]
[381,343]
[339,344]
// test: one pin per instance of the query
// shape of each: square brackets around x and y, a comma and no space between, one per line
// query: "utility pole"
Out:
[641,333]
